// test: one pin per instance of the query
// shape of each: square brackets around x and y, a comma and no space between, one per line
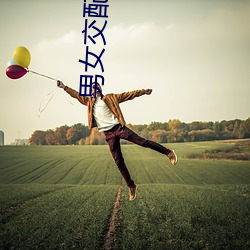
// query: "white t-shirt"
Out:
[105,119]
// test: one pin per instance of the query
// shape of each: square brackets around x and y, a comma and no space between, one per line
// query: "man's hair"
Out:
[97,83]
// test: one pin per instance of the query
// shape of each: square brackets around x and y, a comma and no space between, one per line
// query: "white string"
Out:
[49,96]
[71,103]
[51,78]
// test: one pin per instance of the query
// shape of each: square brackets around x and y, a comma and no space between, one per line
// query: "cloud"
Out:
[127,33]
[203,42]
[67,39]
[116,36]
[124,43]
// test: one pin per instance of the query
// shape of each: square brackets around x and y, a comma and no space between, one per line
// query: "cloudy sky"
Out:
[194,54]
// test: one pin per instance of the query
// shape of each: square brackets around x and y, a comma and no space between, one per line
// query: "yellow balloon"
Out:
[22,56]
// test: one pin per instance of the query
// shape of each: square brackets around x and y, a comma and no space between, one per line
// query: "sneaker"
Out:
[172,157]
[132,193]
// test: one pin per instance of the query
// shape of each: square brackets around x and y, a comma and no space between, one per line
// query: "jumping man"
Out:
[104,113]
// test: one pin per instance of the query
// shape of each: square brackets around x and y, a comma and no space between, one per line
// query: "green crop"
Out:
[62,197]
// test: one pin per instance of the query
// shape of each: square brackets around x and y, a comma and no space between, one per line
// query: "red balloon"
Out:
[15,71]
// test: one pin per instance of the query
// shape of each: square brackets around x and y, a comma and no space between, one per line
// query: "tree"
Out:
[236,128]
[60,134]
[145,133]
[38,138]
[175,133]
[157,125]
[95,138]
[159,135]
[70,136]
[196,126]
[202,135]
[50,137]
[76,133]
[81,131]
[217,129]
[185,130]
[82,142]
[245,129]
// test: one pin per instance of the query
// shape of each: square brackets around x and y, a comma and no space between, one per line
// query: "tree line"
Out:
[172,131]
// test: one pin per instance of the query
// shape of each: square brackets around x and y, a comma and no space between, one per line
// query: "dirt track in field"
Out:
[112,231]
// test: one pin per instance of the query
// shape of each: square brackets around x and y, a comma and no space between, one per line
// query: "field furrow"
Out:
[112,234]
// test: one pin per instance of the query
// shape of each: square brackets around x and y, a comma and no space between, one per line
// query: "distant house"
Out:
[1,138]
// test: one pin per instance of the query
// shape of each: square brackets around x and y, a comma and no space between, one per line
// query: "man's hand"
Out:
[148,91]
[60,84]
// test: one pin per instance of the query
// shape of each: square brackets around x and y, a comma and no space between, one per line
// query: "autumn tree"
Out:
[175,133]
[159,135]
[38,138]
[77,134]
[245,129]
[50,137]
[95,138]
[60,134]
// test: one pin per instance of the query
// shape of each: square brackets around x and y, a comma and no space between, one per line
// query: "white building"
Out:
[1,138]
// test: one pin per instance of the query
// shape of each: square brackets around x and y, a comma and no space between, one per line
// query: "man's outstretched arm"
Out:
[73,93]
[132,94]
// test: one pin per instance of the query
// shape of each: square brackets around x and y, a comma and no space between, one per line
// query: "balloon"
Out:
[15,71]
[22,56]
[11,62]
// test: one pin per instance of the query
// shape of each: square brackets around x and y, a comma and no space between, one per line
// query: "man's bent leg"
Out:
[131,136]
[115,149]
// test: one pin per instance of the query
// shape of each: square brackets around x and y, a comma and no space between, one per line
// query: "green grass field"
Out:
[62,197]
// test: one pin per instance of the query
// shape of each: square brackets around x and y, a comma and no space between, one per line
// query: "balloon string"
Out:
[71,103]
[50,96]
[31,71]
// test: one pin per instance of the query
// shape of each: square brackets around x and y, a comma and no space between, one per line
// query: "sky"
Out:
[194,54]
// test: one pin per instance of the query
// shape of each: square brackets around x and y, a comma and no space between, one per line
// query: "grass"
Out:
[65,218]
[58,165]
[61,197]
[240,150]
[187,217]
